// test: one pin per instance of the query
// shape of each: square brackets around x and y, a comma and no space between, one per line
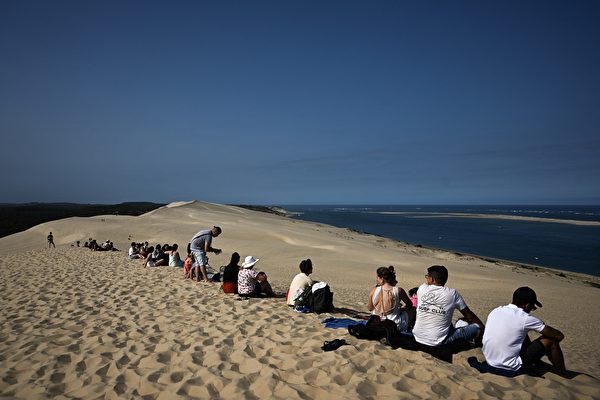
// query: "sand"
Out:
[82,324]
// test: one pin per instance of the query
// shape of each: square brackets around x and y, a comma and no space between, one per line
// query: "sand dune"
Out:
[87,324]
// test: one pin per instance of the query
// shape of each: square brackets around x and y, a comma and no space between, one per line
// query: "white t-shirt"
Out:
[299,283]
[505,331]
[434,313]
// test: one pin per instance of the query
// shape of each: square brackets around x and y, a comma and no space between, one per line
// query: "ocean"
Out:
[480,230]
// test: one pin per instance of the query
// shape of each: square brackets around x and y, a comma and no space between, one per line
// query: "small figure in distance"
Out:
[252,283]
[300,282]
[506,343]
[51,240]
[201,245]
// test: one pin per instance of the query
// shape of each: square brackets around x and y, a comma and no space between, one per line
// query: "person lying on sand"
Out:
[434,313]
[506,344]
[252,283]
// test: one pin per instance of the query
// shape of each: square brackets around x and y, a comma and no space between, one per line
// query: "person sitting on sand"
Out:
[160,258]
[230,274]
[385,300]
[174,258]
[187,266]
[434,313]
[506,343]
[252,282]
[412,293]
[300,282]
[144,249]
[150,261]
[200,245]
[134,252]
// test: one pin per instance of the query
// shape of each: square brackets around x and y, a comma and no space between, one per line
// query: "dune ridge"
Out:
[77,323]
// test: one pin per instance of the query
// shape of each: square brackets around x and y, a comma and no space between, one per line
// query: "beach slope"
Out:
[82,324]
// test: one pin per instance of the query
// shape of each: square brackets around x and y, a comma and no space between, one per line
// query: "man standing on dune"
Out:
[51,240]
[200,245]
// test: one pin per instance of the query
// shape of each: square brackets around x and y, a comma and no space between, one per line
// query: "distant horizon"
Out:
[311,204]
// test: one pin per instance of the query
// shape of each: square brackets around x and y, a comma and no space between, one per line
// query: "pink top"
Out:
[415,301]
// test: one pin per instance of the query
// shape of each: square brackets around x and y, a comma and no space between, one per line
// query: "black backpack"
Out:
[322,300]
[304,299]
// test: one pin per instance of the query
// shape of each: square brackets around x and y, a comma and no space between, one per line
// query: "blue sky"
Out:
[289,102]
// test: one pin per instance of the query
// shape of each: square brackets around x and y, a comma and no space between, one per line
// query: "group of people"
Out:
[93,245]
[155,256]
[428,316]
[425,312]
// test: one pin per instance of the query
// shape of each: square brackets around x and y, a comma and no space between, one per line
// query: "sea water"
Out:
[558,245]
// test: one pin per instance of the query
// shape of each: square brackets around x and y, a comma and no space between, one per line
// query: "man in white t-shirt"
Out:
[434,312]
[506,344]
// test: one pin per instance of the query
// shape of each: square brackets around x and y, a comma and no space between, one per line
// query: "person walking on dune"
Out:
[199,246]
[51,240]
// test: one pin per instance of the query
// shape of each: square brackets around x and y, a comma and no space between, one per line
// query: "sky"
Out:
[300,102]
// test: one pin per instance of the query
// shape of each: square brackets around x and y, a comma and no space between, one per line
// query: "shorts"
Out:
[230,287]
[531,352]
[200,257]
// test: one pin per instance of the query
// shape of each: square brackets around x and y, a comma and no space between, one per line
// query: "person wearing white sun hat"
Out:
[252,282]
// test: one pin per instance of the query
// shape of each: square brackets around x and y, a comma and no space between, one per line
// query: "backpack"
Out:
[322,299]
[304,299]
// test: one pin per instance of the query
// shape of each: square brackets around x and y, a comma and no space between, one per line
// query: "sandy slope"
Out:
[89,324]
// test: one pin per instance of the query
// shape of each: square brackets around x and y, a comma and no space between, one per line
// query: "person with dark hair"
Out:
[300,282]
[506,344]
[174,257]
[230,274]
[201,245]
[159,256]
[150,261]
[412,293]
[134,252]
[51,240]
[187,266]
[385,300]
[434,313]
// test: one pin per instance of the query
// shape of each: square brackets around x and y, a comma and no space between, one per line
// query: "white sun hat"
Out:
[249,262]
